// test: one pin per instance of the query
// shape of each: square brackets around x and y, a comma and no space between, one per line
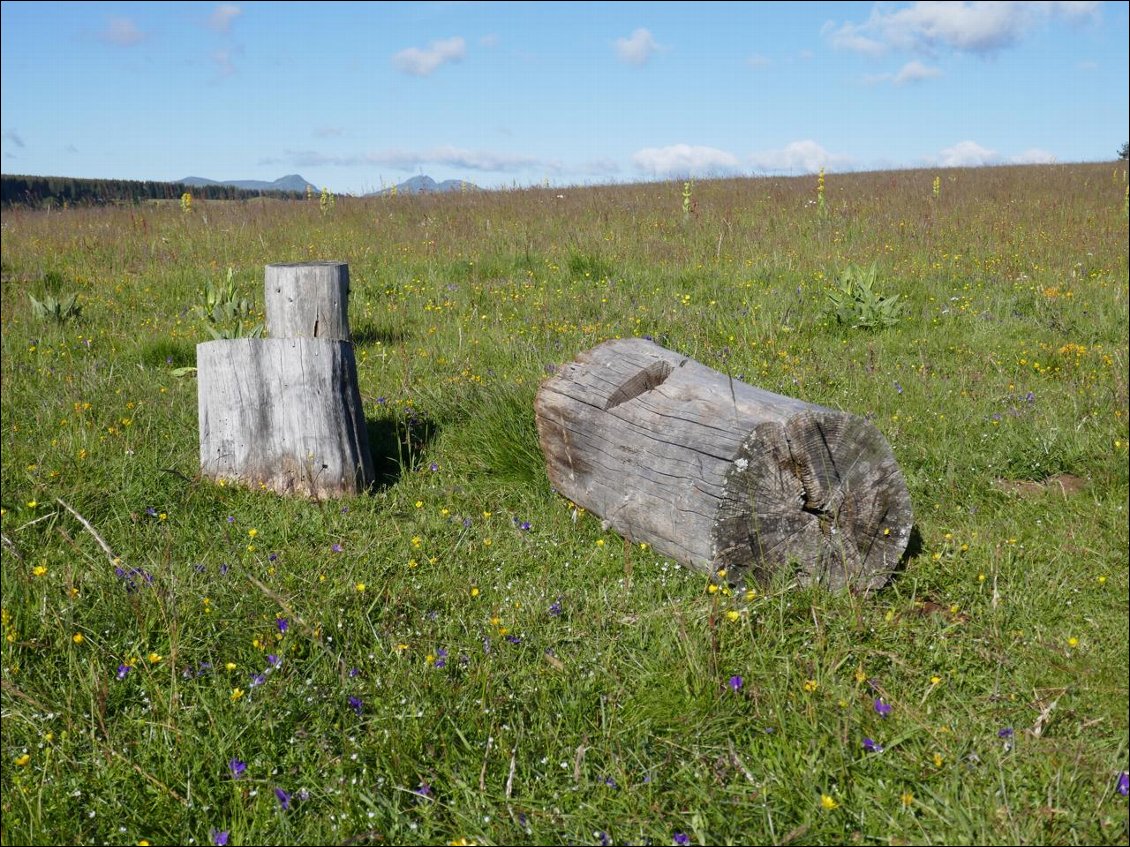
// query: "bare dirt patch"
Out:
[1064,484]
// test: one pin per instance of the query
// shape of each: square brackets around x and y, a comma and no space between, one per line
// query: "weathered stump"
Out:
[307,300]
[715,473]
[284,413]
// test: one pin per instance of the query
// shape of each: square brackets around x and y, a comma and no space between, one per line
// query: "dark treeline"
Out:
[60,190]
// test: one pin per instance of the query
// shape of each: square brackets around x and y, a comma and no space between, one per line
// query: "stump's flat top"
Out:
[319,264]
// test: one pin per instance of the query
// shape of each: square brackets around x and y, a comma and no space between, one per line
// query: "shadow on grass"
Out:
[397,446]
[368,333]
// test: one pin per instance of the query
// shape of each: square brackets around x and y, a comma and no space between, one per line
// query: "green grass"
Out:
[585,689]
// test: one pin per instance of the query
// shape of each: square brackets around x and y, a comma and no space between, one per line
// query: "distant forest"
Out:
[59,190]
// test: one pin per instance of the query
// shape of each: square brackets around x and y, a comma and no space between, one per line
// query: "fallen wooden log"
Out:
[721,475]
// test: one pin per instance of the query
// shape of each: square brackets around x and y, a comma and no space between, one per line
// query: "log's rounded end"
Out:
[819,497]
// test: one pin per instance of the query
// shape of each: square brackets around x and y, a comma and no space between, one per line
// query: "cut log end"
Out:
[820,498]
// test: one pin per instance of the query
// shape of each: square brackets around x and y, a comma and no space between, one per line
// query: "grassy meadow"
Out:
[461,656]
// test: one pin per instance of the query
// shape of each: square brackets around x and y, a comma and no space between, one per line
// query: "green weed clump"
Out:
[462,656]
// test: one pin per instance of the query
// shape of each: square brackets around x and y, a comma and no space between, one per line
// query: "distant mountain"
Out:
[427,185]
[290,182]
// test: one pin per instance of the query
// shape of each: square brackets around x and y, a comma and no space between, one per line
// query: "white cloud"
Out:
[967,27]
[1034,156]
[419,62]
[805,156]
[222,17]
[966,154]
[489,40]
[684,160]
[758,61]
[637,48]
[122,32]
[915,71]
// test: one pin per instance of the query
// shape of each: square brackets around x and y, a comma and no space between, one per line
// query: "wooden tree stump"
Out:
[307,300]
[718,474]
[284,413]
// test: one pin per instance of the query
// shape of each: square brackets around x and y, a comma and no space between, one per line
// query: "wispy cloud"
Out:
[913,71]
[804,156]
[13,136]
[419,62]
[758,61]
[598,167]
[122,32]
[966,154]
[680,160]
[489,40]
[222,16]
[1033,156]
[967,27]
[223,61]
[445,155]
[638,48]
[329,132]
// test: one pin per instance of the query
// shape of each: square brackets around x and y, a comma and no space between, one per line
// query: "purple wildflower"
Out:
[610,782]
[353,672]
[514,639]
[872,746]
[283,624]
[423,790]
[681,839]
[441,658]
[283,797]
[1124,783]
[224,568]
[433,467]
[881,708]
[736,683]
[555,607]
[151,512]
[356,705]
[258,680]
[337,548]
[273,557]
[123,671]
[237,768]
[1005,733]
[898,388]
[231,518]
[220,837]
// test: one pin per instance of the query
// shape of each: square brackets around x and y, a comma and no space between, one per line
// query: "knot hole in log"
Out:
[648,379]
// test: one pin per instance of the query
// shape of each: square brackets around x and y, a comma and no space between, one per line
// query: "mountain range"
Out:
[426,185]
[296,183]
[290,182]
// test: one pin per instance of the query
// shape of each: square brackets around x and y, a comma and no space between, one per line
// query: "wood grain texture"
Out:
[716,473]
[307,300]
[284,413]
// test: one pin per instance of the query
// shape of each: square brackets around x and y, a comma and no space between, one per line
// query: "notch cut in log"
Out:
[283,413]
[307,300]
[718,474]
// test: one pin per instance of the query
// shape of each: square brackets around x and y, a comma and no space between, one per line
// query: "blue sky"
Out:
[356,96]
